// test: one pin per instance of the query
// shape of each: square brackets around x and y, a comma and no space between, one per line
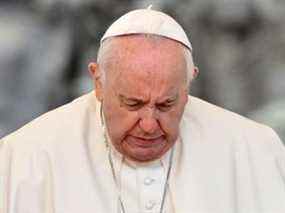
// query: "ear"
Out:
[95,73]
[195,72]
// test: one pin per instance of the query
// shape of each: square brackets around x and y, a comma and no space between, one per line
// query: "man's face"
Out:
[144,95]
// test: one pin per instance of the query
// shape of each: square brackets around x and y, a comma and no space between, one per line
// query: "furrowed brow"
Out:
[124,98]
[169,99]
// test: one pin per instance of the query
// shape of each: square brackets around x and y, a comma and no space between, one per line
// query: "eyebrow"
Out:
[170,99]
[124,98]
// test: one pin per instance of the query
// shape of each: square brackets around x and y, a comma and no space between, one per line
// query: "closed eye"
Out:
[133,106]
[130,103]
[166,105]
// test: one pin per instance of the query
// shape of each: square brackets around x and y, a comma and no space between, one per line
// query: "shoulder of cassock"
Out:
[214,128]
[65,125]
[209,120]
[55,138]
[74,131]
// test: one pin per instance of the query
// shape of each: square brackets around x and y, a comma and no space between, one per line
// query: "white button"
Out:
[150,204]
[148,181]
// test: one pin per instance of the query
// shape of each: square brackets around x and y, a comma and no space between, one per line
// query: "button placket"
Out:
[151,188]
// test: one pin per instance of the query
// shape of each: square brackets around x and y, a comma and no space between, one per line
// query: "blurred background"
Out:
[46,45]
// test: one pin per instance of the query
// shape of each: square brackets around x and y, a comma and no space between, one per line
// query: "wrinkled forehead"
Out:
[140,46]
[146,59]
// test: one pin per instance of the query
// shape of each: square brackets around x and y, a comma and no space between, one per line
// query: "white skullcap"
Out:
[147,21]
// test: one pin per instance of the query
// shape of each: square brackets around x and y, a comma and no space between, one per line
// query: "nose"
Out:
[148,125]
[148,122]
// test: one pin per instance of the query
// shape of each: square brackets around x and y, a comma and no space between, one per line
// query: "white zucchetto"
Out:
[148,21]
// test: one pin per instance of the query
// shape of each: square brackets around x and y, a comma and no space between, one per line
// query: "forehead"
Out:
[146,62]
[143,49]
[127,45]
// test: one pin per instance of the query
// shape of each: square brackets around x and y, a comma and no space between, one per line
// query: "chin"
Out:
[144,151]
[145,154]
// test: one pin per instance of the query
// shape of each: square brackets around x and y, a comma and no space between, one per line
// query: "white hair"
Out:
[106,47]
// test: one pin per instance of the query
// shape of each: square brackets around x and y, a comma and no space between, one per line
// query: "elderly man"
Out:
[140,143]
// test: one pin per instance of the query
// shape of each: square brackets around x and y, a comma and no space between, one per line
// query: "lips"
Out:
[144,142]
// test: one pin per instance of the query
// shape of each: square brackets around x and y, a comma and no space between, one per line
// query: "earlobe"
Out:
[95,73]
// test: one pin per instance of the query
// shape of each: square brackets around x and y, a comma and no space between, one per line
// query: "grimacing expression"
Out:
[143,95]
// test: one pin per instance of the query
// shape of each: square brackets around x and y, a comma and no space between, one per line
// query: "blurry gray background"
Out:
[46,45]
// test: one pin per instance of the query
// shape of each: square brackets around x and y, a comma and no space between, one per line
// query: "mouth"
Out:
[145,142]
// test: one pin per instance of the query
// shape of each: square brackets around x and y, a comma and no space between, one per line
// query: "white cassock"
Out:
[224,163]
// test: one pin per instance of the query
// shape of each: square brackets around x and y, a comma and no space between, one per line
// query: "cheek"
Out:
[170,121]
[118,120]
[170,124]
